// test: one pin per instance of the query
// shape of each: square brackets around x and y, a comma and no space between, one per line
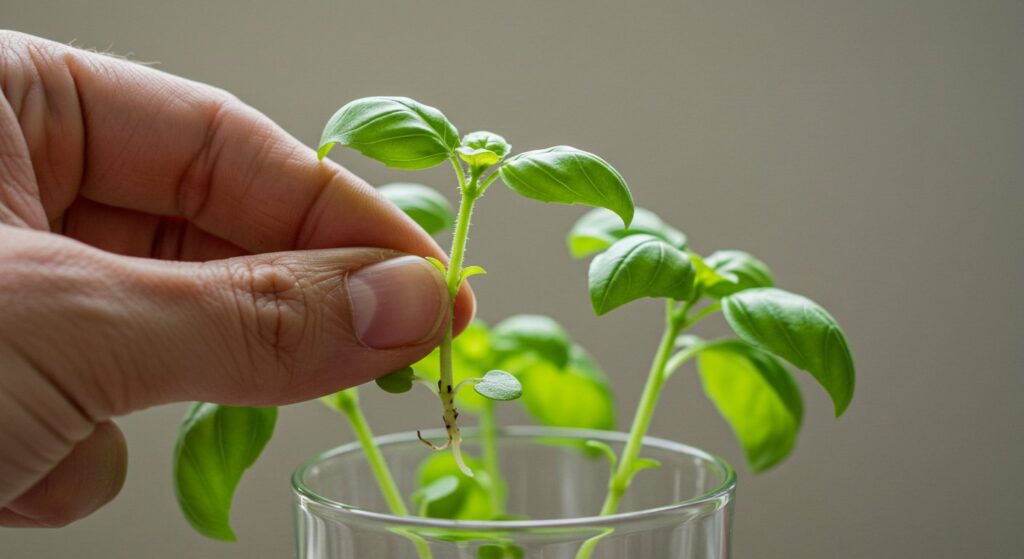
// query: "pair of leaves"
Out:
[215,445]
[405,134]
[494,385]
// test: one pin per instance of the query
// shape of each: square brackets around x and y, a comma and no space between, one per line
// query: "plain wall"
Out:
[871,152]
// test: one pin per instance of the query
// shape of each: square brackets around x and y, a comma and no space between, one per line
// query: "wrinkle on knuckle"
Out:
[273,302]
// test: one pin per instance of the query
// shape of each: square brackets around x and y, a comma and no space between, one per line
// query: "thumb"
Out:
[118,334]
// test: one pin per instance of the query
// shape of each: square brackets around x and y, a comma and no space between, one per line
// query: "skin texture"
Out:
[161,241]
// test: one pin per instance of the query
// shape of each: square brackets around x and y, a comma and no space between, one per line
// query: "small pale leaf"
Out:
[499,385]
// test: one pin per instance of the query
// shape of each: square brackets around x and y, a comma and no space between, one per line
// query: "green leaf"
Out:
[798,330]
[435,491]
[471,358]
[471,500]
[604,449]
[757,397]
[215,445]
[577,395]
[397,382]
[396,131]
[599,228]
[739,271]
[566,175]
[426,206]
[438,264]
[643,464]
[636,267]
[478,158]
[532,333]
[482,139]
[499,385]
[471,271]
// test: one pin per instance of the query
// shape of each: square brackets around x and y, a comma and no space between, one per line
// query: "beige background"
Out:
[870,151]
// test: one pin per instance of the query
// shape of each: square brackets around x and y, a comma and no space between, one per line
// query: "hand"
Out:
[144,227]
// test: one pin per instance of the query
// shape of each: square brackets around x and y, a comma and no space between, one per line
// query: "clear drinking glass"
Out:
[683,509]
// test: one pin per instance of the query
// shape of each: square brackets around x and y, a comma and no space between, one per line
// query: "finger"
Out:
[134,233]
[88,478]
[164,145]
[254,330]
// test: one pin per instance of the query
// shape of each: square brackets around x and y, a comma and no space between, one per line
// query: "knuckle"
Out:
[272,302]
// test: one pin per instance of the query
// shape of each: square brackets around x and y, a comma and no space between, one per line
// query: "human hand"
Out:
[144,224]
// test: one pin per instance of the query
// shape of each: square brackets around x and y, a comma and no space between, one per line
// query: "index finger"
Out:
[133,137]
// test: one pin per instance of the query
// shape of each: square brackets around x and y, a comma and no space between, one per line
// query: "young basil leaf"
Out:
[605,450]
[482,139]
[576,396]
[426,206]
[478,158]
[397,382]
[499,385]
[635,267]
[599,228]
[471,500]
[215,445]
[532,333]
[437,264]
[739,270]
[471,358]
[396,131]
[644,464]
[757,396]
[471,271]
[798,330]
[566,175]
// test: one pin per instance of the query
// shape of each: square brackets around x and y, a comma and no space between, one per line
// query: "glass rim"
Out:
[716,495]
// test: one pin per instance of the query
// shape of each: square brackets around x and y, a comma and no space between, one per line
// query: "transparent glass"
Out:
[683,509]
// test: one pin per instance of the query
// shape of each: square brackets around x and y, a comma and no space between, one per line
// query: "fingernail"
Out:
[398,302]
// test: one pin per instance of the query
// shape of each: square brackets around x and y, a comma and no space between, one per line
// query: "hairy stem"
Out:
[453,278]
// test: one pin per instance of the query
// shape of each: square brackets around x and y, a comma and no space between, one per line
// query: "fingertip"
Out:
[465,309]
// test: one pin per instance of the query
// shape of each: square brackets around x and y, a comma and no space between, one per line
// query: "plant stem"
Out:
[379,466]
[642,420]
[374,457]
[453,278]
[489,444]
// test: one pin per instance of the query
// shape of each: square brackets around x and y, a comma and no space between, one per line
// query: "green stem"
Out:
[489,444]
[378,465]
[642,420]
[445,388]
